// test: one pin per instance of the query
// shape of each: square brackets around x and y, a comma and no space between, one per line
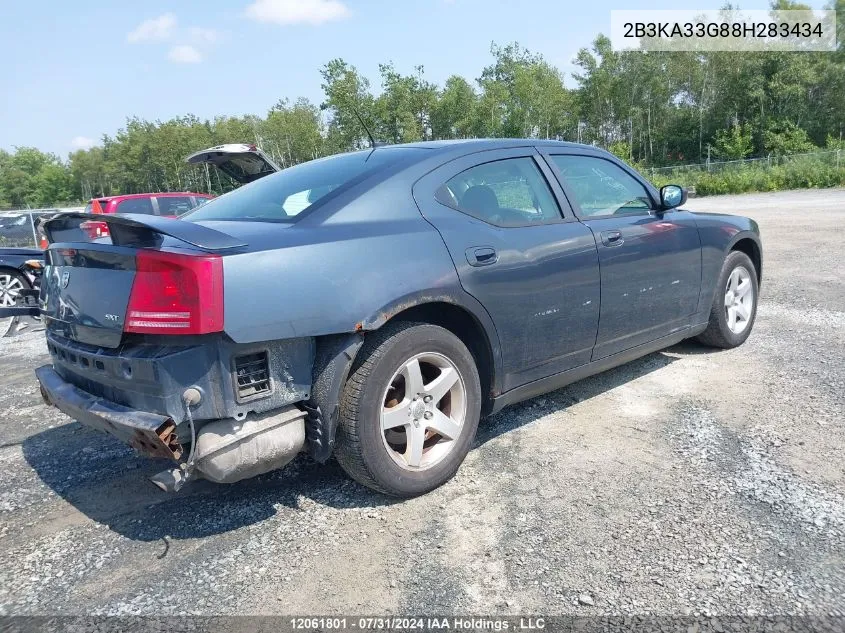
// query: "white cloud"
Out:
[159,28]
[184,54]
[82,142]
[202,34]
[287,12]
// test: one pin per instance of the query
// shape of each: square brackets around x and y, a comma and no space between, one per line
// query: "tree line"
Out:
[650,108]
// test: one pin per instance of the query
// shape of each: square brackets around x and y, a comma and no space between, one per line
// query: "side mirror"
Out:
[672,196]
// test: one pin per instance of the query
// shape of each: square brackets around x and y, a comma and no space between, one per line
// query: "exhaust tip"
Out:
[170,480]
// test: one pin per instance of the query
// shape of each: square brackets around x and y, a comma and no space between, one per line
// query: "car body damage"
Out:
[229,340]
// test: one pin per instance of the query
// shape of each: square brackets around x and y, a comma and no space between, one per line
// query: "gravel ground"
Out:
[688,482]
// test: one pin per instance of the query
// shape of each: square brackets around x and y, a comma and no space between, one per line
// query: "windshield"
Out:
[284,196]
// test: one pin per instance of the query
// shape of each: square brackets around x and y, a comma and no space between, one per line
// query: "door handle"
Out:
[612,238]
[482,255]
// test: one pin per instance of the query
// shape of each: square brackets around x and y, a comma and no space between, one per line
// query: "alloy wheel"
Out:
[423,411]
[739,300]
[10,290]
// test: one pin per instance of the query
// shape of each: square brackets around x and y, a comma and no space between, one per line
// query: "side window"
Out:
[510,192]
[171,205]
[602,188]
[136,205]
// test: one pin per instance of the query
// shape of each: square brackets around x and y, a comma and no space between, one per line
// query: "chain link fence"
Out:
[834,158]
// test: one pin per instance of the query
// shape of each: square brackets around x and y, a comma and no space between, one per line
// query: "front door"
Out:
[534,268]
[650,260]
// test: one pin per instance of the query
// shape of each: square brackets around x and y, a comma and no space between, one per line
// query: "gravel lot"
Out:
[688,482]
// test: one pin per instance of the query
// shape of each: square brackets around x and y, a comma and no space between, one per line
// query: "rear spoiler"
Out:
[134,229]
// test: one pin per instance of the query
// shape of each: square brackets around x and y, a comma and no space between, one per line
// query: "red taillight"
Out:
[95,229]
[176,294]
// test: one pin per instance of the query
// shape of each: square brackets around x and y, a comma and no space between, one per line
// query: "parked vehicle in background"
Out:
[243,163]
[16,227]
[20,269]
[167,204]
[413,290]
[171,205]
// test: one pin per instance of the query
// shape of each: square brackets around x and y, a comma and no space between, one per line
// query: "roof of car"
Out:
[167,194]
[491,143]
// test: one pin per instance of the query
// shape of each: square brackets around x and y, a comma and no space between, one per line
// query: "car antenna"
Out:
[373,142]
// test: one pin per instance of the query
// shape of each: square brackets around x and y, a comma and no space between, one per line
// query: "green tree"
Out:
[347,97]
[785,137]
[734,143]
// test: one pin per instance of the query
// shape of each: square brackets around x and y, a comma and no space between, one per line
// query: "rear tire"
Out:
[734,304]
[409,410]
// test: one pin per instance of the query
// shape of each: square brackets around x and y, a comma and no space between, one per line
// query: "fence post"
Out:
[838,152]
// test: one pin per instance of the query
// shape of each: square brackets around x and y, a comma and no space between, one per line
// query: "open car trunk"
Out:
[243,163]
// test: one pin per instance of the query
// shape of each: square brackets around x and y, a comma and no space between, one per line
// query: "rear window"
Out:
[286,195]
[174,205]
[136,205]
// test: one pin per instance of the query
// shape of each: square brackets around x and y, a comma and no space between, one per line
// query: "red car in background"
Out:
[166,204]
[170,205]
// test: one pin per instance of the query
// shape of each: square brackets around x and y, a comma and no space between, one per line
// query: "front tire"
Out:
[734,304]
[409,410]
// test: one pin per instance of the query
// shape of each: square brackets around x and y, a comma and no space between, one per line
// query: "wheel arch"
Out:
[458,312]
[747,244]
[8,268]
[467,327]
[336,354]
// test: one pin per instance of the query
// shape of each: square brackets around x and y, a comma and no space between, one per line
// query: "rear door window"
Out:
[174,205]
[510,192]
[136,205]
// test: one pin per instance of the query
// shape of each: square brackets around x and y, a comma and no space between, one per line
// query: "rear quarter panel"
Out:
[336,274]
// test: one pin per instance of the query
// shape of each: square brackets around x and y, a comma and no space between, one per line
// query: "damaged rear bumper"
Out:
[225,450]
[151,434]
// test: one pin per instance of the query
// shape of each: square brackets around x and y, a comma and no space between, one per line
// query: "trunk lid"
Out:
[87,285]
[85,291]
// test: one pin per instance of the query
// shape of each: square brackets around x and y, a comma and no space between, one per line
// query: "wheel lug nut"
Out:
[428,415]
[427,399]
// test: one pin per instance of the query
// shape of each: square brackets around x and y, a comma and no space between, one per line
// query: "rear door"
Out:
[524,257]
[650,260]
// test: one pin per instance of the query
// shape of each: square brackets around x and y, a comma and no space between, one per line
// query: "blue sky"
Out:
[73,71]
